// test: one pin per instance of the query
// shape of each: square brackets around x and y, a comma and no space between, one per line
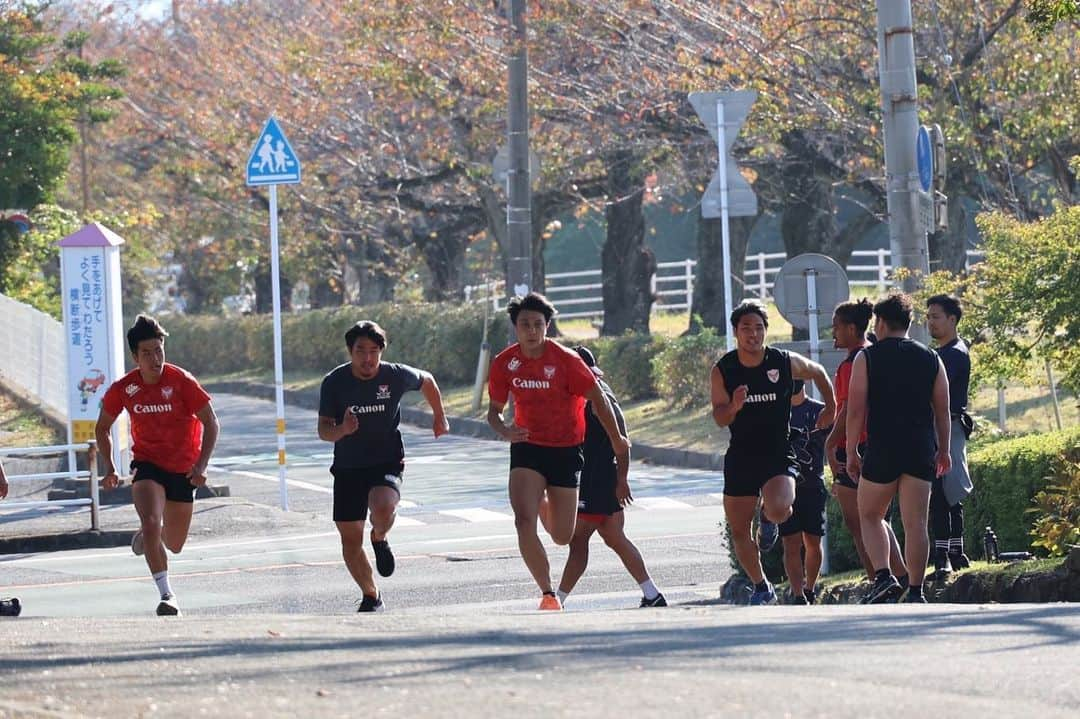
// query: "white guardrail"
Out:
[89,475]
[578,294]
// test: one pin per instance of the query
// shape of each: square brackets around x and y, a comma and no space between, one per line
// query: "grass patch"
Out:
[1028,409]
[24,427]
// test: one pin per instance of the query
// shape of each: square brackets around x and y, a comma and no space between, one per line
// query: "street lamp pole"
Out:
[519,185]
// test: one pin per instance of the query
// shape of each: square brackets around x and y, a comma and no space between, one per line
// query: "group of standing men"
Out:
[895,426]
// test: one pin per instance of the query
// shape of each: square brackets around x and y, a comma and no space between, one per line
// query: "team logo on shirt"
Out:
[513,364]
[166,392]
[773,375]
[549,371]
[131,389]
[384,392]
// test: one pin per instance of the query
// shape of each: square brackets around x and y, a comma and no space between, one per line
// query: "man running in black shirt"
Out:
[751,395]
[899,390]
[943,313]
[803,530]
[359,411]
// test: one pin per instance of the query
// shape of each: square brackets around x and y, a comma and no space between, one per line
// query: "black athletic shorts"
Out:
[597,494]
[353,484]
[883,464]
[842,478]
[746,474]
[808,511]
[176,484]
[560,466]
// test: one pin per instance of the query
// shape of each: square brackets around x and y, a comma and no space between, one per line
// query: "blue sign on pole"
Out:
[924,158]
[272,160]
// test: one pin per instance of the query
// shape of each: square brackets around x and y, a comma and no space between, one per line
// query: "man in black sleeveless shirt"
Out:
[900,384]
[751,395]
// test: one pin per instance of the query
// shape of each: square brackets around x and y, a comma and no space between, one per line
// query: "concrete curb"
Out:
[87,539]
[309,399]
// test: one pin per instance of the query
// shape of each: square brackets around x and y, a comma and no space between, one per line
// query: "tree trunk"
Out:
[708,303]
[627,264]
[264,291]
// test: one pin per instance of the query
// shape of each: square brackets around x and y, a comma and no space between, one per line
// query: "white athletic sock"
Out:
[650,590]
[562,596]
[162,579]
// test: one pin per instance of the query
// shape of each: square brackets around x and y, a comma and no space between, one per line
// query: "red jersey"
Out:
[549,392]
[164,428]
[840,384]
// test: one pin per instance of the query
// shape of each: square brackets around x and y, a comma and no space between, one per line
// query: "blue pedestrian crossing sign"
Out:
[272,160]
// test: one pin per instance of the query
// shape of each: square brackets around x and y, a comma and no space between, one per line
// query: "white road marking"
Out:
[477,515]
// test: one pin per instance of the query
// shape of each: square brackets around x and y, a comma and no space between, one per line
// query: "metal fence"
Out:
[578,294]
[89,475]
[33,359]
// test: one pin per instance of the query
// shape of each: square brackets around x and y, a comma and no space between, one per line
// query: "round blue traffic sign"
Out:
[924,158]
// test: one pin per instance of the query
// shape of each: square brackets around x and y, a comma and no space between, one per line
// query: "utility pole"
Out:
[900,110]
[519,184]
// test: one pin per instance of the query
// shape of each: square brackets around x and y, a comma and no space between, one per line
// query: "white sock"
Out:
[562,596]
[650,590]
[162,579]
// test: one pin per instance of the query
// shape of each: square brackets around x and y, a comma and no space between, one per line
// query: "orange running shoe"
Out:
[550,601]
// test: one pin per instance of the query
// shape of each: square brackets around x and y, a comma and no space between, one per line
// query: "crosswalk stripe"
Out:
[661,503]
[477,514]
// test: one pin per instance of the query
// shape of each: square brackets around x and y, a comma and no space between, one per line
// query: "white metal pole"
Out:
[95,497]
[279,380]
[812,314]
[729,334]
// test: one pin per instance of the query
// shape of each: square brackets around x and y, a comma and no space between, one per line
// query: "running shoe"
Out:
[799,599]
[550,602]
[137,544]
[763,596]
[811,595]
[767,532]
[959,560]
[384,558]
[885,590]
[942,565]
[911,598]
[10,607]
[168,606]
[371,604]
[657,601]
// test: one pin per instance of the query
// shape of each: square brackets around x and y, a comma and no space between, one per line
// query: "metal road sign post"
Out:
[728,194]
[272,162]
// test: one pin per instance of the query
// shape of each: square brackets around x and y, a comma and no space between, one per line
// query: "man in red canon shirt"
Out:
[550,384]
[174,430]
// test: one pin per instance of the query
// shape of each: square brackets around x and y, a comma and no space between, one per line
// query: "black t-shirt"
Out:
[599,455]
[376,403]
[761,426]
[808,445]
[954,355]
[901,375]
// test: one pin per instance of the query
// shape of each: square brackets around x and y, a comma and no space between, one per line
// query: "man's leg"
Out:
[356,561]
[613,532]
[914,504]
[149,499]
[849,508]
[527,487]
[562,513]
[382,501]
[578,558]
[777,496]
[176,524]
[740,516]
[941,523]
[896,556]
[873,503]
[812,545]
[793,563]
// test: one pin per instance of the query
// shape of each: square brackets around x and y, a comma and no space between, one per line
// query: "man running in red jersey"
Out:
[174,429]
[550,385]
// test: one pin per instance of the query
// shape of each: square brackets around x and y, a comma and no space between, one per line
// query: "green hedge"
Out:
[682,368]
[442,339]
[1007,475]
